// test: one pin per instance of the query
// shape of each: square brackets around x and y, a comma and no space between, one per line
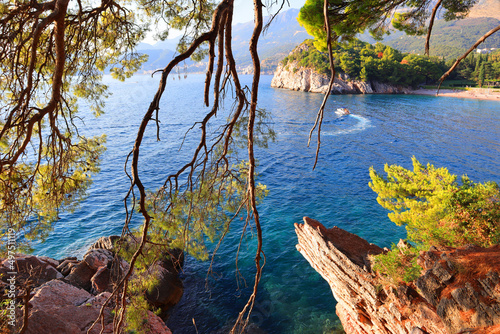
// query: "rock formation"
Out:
[66,295]
[295,77]
[458,292]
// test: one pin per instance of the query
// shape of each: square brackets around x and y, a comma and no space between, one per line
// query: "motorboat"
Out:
[342,111]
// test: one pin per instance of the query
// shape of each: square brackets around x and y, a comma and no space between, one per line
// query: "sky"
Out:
[243,12]
[243,9]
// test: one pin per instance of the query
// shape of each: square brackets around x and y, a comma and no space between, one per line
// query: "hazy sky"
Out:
[243,12]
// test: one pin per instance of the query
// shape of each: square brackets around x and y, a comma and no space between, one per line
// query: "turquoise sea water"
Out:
[461,134]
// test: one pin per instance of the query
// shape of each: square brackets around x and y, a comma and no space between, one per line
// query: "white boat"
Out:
[342,111]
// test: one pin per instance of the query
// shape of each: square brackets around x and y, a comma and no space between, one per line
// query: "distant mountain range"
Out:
[449,39]
[276,42]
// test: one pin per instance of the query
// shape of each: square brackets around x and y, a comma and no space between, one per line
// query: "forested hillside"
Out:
[283,35]
[366,62]
[482,69]
[449,39]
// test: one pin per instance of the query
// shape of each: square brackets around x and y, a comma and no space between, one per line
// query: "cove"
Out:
[460,134]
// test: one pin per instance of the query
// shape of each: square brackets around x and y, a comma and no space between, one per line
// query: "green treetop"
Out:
[350,17]
[436,209]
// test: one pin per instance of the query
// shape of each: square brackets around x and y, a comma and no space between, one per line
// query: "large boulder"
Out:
[105,243]
[96,258]
[168,290]
[81,275]
[101,279]
[27,267]
[61,308]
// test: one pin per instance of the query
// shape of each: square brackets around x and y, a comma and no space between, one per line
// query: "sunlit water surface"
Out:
[461,134]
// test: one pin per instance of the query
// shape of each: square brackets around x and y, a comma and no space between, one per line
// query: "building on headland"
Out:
[486,50]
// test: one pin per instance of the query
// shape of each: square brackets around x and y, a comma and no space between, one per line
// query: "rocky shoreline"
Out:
[65,296]
[457,292]
[295,77]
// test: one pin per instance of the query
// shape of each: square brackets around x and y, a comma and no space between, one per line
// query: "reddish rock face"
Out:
[100,280]
[63,293]
[80,276]
[37,270]
[96,258]
[61,308]
[459,288]
[463,285]
[56,294]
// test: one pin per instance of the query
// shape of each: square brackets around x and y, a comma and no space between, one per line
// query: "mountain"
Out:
[449,39]
[282,36]
[486,8]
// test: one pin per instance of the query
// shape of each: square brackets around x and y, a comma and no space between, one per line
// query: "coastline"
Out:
[474,93]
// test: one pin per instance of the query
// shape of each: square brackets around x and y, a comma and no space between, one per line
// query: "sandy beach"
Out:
[473,93]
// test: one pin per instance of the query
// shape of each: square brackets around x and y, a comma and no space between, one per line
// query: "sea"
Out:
[460,134]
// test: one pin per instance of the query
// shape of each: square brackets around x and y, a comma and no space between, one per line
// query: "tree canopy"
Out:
[53,55]
[350,17]
[346,18]
[437,209]
[363,61]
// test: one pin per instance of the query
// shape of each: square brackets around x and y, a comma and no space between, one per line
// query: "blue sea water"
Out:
[460,134]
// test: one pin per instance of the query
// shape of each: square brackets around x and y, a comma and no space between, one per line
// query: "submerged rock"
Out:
[458,291]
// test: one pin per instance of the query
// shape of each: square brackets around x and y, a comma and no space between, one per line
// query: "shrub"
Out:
[398,265]
[438,210]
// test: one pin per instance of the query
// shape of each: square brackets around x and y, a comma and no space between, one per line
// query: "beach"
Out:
[472,93]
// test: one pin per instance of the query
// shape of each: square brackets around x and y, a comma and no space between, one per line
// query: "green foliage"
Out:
[348,17]
[186,220]
[136,314]
[480,69]
[449,39]
[308,56]
[366,62]
[436,209]
[31,208]
[475,212]
[55,55]
[311,18]
[398,265]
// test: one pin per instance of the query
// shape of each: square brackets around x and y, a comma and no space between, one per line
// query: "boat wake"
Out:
[360,124]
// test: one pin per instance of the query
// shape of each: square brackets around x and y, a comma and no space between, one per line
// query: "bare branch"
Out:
[319,116]
[431,23]
[242,320]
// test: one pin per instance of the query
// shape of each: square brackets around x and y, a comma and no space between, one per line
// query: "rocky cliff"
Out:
[295,77]
[65,296]
[458,291]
